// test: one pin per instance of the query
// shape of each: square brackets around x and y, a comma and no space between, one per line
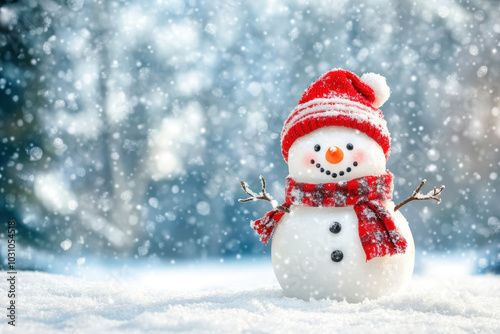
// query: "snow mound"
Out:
[242,298]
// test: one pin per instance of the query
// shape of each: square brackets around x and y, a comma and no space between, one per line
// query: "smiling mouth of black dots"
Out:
[334,175]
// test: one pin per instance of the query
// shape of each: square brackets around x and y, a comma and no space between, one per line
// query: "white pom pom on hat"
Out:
[379,86]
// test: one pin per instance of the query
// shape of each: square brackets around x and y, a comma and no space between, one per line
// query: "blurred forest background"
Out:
[126,126]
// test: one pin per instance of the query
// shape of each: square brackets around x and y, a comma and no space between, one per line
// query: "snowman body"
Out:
[301,254]
[316,251]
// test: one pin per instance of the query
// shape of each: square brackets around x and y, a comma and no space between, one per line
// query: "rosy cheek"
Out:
[306,160]
[359,156]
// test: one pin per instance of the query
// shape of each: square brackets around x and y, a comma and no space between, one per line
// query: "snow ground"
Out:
[241,297]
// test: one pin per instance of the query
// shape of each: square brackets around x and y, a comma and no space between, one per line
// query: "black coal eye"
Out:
[350,146]
[317,148]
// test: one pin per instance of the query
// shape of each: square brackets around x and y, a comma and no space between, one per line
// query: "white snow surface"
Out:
[241,297]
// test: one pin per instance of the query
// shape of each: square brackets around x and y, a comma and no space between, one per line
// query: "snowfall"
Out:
[242,297]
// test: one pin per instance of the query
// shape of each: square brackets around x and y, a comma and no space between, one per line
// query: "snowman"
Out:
[339,235]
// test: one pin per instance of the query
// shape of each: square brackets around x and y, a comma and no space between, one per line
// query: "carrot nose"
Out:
[334,155]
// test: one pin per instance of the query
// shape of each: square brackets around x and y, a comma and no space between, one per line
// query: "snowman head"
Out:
[334,153]
[337,132]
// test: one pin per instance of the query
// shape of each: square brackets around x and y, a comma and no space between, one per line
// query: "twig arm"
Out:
[264,196]
[249,192]
[417,196]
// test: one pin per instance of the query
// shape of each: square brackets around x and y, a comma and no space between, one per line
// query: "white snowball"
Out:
[36,153]
[210,29]
[66,244]
[301,255]
[153,202]
[73,205]
[203,208]
[379,86]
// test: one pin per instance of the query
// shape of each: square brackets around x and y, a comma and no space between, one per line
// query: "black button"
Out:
[335,228]
[337,256]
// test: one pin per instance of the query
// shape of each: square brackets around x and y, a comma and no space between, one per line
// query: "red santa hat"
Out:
[340,98]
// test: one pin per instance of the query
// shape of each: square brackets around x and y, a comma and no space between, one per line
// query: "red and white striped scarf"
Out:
[377,230]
